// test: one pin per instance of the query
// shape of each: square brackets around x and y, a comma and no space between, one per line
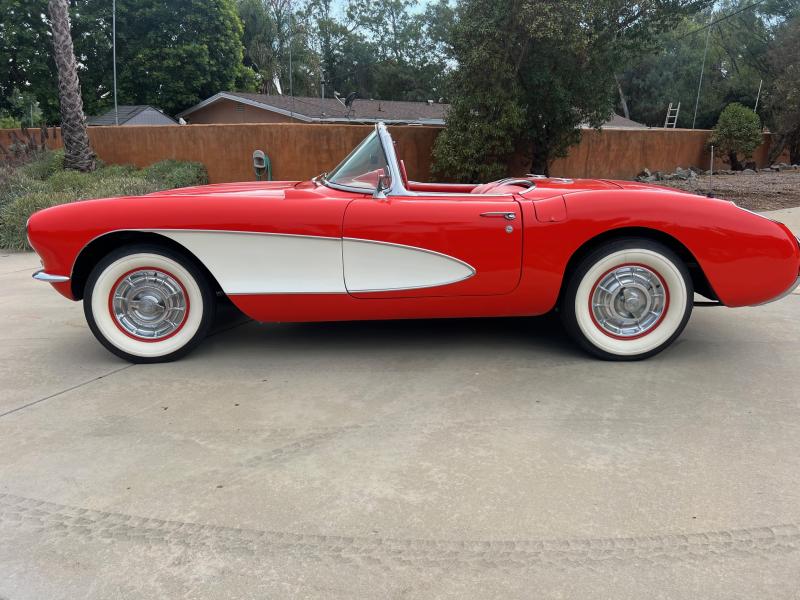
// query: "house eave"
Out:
[247,101]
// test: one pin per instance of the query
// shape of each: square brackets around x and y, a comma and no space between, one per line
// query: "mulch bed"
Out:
[754,191]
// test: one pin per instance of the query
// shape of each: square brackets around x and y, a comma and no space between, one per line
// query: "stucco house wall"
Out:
[228,111]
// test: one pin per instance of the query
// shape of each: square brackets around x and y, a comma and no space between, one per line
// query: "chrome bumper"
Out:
[40,275]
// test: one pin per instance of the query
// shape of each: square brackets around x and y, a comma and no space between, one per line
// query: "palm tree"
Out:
[78,152]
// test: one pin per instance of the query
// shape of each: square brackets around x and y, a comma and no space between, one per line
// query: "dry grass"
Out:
[754,191]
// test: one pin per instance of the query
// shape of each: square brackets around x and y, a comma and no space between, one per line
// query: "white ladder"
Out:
[672,116]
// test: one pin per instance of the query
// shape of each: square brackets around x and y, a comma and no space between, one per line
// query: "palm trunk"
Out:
[78,152]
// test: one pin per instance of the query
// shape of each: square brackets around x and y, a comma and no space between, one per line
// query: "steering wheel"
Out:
[486,188]
[515,181]
[403,173]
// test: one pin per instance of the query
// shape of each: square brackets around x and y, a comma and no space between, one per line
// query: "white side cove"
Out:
[269,263]
[258,263]
[378,266]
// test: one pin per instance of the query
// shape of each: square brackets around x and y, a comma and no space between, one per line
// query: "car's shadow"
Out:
[232,329]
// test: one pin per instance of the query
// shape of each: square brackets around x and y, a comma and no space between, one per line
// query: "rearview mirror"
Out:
[384,183]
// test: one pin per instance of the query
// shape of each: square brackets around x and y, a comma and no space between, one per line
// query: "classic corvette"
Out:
[621,261]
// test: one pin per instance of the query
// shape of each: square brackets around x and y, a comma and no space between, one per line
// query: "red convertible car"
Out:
[621,261]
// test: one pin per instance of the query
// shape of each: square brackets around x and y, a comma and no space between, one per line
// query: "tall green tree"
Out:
[174,54]
[784,97]
[405,64]
[738,36]
[278,48]
[530,72]
[26,58]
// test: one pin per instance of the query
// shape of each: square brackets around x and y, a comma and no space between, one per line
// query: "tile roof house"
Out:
[140,114]
[244,107]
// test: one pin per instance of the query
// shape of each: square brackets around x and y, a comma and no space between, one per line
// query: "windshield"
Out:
[363,166]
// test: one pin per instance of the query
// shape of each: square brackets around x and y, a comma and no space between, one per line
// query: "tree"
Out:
[26,66]
[77,150]
[530,72]
[277,47]
[174,54]
[738,132]
[784,97]
[405,64]
[486,116]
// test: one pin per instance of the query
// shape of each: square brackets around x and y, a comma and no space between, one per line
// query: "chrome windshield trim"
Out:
[397,188]
[40,275]
[345,188]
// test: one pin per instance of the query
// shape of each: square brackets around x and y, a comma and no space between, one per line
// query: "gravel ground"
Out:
[754,191]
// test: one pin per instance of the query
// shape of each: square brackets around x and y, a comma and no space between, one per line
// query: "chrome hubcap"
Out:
[628,301]
[149,304]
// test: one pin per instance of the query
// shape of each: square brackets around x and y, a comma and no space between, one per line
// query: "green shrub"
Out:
[120,185]
[68,180]
[14,216]
[176,174]
[44,182]
[44,166]
[8,122]
[737,133]
[116,171]
[13,185]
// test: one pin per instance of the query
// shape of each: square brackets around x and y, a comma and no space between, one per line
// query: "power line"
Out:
[725,18]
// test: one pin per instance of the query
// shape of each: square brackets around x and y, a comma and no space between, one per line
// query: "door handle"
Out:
[508,216]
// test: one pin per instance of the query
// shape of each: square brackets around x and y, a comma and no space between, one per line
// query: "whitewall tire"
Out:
[627,300]
[148,304]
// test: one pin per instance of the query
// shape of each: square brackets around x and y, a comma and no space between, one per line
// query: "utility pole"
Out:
[291,86]
[702,70]
[758,96]
[114,53]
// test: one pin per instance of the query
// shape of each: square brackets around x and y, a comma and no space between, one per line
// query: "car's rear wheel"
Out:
[148,304]
[627,300]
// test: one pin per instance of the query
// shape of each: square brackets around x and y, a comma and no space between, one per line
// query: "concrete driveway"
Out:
[463,459]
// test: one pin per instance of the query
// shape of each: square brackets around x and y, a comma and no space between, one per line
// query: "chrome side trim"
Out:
[40,275]
[233,231]
[792,288]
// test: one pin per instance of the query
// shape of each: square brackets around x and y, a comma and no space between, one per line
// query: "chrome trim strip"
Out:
[792,288]
[40,275]
[237,232]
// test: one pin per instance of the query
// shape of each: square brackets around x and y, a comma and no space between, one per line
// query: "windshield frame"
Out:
[385,139]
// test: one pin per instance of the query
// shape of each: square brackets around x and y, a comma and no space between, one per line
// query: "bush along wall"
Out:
[44,182]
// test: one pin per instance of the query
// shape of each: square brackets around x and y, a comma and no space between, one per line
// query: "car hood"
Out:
[267,188]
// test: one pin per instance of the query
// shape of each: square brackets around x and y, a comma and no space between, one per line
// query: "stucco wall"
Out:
[228,111]
[622,153]
[300,151]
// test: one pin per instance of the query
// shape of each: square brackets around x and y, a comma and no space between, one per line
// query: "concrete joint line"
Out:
[64,391]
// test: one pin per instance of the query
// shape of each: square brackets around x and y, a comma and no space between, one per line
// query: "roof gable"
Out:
[124,113]
[309,109]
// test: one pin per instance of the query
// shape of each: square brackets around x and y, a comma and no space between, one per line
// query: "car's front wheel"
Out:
[627,300]
[148,304]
